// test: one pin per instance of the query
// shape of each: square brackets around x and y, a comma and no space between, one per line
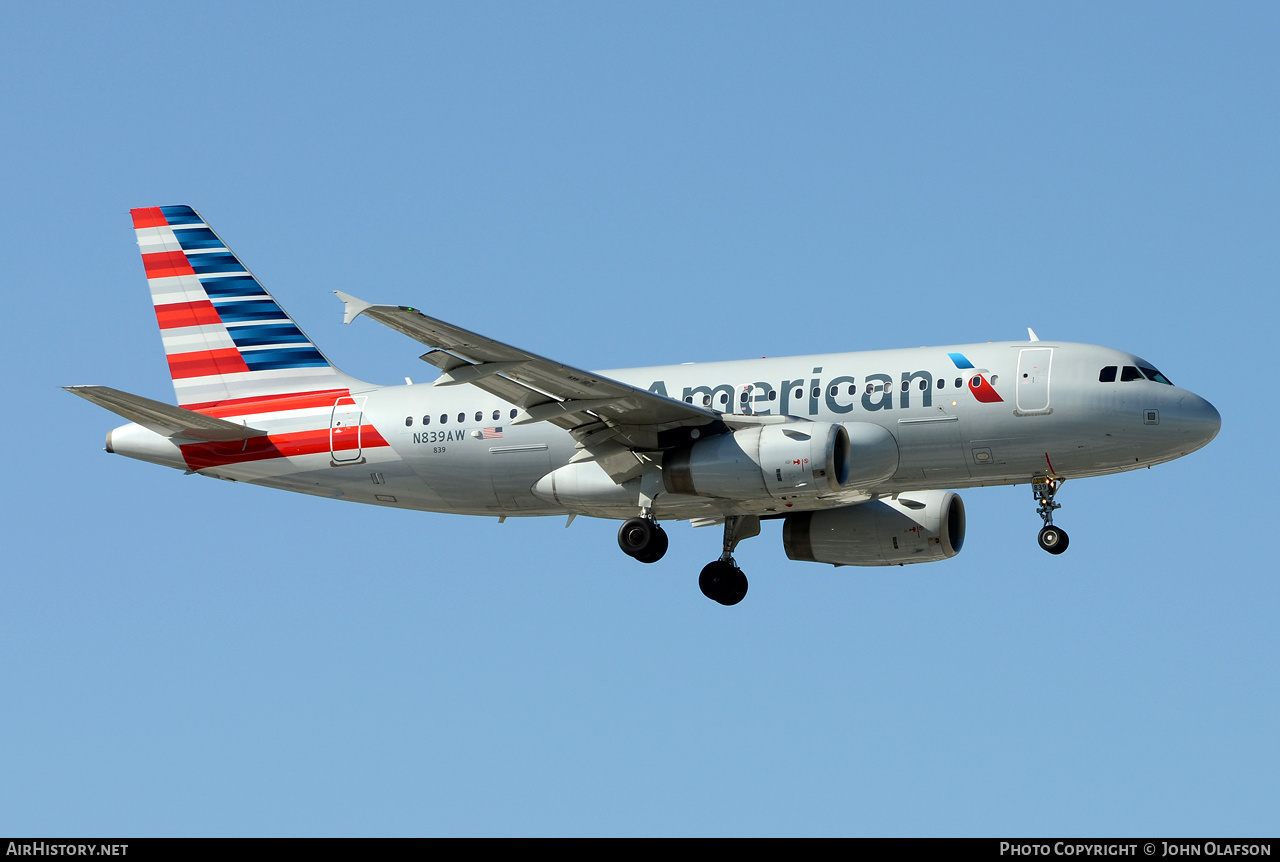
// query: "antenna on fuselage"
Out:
[1031,334]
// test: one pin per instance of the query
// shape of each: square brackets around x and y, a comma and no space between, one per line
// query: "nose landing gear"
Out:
[1045,488]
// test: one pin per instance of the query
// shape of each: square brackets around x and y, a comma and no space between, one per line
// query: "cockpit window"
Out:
[1107,375]
[1130,373]
[1154,376]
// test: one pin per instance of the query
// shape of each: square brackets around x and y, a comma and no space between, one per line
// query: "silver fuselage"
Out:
[1019,410]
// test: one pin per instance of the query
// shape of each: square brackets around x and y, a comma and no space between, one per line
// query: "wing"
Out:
[614,422]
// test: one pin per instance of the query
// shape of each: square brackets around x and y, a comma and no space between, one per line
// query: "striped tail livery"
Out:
[225,337]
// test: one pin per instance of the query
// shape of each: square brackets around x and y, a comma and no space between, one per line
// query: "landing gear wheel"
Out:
[1053,539]
[737,588]
[723,582]
[642,539]
[657,547]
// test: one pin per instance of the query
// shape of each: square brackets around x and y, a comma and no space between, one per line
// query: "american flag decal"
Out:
[490,433]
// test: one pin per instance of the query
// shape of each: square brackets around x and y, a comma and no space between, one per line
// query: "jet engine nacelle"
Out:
[915,528]
[786,460]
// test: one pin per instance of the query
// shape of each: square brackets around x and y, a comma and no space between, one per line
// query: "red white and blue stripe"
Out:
[224,335]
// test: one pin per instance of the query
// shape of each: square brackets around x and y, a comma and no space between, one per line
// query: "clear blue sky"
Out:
[626,184]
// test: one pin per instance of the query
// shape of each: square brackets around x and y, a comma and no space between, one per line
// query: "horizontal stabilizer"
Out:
[164,418]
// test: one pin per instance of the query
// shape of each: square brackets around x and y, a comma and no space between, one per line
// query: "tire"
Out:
[737,588]
[714,579]
[1053,539]
[635,536]
[657,547]
[722,582]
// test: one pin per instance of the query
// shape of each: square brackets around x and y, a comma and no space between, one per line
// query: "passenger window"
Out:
[688,399]
[924,384]
[513,412]
[835,390]
[1107,375]
[745,396]
[817,390]
[852,389]
[871,387]
[959,382]
[977,381]
[1130,373]
[706,400]
[799,394]
[773,395]
[444,418]
[724,398]
[496,414]
[942,384]
[906,384]
[408,421]
[426,420]
[479,416]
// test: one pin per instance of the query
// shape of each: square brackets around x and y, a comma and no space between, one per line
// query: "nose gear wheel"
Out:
[1053,539]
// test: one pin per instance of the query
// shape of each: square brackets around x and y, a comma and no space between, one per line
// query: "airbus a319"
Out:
[852,451]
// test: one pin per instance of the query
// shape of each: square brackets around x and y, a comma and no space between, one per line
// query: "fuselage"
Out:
[961,416]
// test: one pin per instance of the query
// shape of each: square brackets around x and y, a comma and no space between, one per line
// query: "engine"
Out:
[915,528]
[778,460]
[782,461]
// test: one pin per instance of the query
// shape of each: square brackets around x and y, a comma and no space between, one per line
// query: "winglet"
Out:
[353,307]
[1031,334]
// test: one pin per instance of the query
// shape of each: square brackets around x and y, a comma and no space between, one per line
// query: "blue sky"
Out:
[630,184]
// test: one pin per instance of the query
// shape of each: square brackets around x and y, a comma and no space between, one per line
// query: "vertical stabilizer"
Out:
[224,336]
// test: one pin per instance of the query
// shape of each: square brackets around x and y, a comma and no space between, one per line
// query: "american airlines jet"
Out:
[850,450]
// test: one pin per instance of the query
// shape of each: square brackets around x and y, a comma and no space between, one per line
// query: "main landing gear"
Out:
[722,581]
[643,539]
[1052,539]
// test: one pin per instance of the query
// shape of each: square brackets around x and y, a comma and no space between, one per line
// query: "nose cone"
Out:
[1198,420]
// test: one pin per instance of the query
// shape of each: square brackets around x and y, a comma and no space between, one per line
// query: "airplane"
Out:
[850,451]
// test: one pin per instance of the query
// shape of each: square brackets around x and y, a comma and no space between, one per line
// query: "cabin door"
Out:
[1033,380]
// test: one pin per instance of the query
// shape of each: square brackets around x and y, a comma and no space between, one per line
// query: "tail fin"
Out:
[225,337]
